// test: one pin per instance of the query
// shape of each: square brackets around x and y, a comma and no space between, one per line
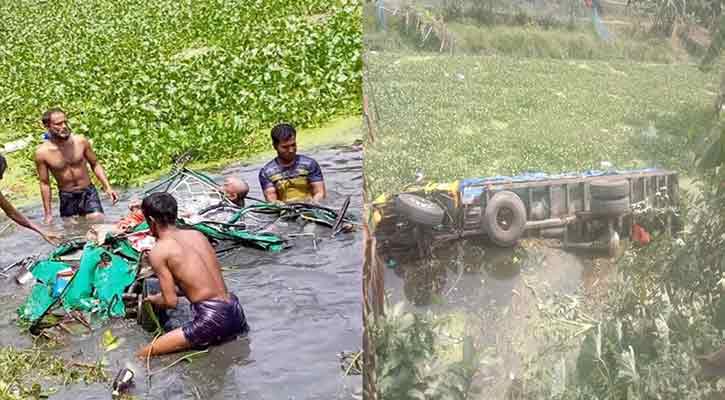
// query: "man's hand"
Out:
[48,219]
[155,299]
[52,237]
[112,195]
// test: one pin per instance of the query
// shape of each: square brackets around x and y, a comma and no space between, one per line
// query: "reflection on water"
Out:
[496,291]
[303,306]
[474,274]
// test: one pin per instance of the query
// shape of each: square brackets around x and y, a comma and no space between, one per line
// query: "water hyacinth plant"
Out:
[147,81]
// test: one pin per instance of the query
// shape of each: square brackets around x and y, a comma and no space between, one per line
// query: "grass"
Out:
[558,42]
[581,43]
[470,116]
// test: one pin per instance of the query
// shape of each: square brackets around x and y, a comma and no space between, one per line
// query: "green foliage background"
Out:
[664,310]
[472,116]
[147,80]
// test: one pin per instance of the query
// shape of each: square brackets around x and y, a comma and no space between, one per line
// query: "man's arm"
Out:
[318,191]
[270,192]
[21,220]
[44,178]
[317,183]
[271,195]
[167,298]
[98,170]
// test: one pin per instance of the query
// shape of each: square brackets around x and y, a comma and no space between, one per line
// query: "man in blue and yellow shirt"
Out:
[290,176]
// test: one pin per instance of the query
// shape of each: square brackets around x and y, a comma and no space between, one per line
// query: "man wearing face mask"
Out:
[290,176]
[67,156]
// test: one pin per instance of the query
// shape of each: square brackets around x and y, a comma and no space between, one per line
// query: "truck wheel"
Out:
[610,207]
[609,190]
[504,219]
[419,210]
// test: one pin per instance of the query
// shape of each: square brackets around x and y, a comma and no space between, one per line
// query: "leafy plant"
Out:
[408,362]
[22,371]
[149,80]
[665,309]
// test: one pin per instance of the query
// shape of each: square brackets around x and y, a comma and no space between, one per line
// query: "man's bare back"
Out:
[184,258]
[192,263]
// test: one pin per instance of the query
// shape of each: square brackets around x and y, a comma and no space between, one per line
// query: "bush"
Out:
[664,311]
[409,365]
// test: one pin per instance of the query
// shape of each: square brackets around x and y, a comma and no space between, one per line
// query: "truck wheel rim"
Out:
[504,218]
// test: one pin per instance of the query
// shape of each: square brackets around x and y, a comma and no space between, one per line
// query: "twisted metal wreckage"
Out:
[82,283]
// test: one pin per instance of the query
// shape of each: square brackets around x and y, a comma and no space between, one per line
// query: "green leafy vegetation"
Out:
[572,102]
[470,116]
[148,80]
[524,36]
[31,373]
[664,310]
[410,365]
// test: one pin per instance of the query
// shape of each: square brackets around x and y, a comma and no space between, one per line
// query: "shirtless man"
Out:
[19,218]
[65,155]
[185,258]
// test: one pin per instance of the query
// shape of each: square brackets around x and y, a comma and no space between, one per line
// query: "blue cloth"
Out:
[83,202]
[380,11]
[473,187]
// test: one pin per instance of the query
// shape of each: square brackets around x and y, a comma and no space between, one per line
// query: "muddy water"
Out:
[498,291]
[303,306]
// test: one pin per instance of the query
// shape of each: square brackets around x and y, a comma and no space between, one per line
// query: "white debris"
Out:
[16,145]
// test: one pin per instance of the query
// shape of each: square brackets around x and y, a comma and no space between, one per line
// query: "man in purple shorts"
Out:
[184,258]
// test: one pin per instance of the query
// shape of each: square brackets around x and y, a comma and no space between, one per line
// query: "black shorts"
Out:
[81,203]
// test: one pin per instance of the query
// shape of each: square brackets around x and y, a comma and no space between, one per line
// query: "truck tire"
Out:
[504,219]
[419,210]
[609,190]
[610,207]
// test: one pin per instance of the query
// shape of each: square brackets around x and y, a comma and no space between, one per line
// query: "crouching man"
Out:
[184,258]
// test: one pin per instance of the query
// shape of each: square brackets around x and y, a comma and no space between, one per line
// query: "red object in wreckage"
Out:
[640,235]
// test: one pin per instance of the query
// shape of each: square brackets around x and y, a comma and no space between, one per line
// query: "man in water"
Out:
[185,258]
[66,156]
[236,190]
[291,176]
[18,217]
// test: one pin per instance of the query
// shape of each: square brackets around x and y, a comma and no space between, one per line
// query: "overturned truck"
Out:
[589,210]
